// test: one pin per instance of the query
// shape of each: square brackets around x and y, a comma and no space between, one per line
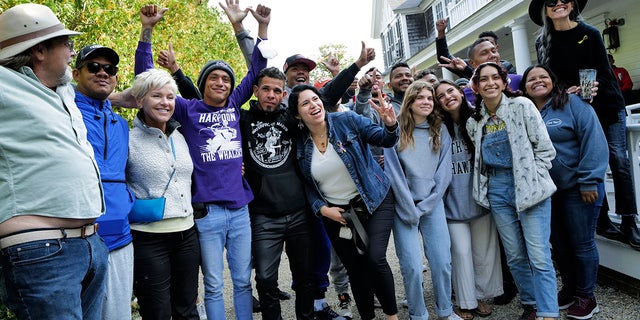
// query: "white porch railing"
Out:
[461,10]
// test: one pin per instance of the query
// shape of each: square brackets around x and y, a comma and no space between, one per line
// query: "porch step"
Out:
[619,265]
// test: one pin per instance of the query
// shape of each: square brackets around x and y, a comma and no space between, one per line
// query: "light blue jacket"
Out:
[350,135]
[47,166]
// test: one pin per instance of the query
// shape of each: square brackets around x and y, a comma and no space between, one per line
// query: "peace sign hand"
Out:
[385,110]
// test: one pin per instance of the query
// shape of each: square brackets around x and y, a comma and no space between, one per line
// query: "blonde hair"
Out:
[407,122]
[150,79]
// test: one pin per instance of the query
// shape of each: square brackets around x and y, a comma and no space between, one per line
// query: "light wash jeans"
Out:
[229,229]
[525,236]
[437,248]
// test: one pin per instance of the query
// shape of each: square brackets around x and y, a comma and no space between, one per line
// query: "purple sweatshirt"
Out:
[213,136]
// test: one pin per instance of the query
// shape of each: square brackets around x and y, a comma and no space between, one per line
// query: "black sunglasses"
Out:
[552,3]
[95,67]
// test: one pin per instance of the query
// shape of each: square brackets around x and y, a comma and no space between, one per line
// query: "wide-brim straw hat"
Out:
[25,25]
[535,9]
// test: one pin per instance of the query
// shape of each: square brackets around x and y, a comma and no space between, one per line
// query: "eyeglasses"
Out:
[68,44]
[552,3]
[95,67]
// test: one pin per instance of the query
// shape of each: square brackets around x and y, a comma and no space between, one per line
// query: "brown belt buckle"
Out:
[83,231]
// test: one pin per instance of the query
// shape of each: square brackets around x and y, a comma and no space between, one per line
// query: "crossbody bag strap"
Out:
[352,219]
[173,149]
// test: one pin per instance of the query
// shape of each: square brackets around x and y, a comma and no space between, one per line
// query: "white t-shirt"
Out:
[332,176]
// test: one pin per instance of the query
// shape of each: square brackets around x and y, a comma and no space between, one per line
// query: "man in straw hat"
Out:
[53,261]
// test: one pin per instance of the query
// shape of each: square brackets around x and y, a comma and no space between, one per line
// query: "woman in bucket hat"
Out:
[566,44]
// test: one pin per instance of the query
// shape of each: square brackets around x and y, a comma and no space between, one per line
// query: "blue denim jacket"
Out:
[350,135]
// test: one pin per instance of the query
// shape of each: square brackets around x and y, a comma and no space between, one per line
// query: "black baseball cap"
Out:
[97,50]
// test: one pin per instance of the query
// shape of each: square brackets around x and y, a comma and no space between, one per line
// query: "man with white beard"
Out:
[53,261]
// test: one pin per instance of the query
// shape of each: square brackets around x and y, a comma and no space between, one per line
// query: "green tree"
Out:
[339,51]
[198,32]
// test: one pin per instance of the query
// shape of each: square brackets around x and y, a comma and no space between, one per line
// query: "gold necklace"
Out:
[321,142]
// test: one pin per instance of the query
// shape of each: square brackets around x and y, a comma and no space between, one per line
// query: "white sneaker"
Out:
[202,313]
[452,316]
[344,308]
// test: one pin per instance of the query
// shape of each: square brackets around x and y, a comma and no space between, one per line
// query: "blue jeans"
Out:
[437,248]
[56,279]
[619,163]
[229,229]
[525,236]
[321,257]
[573,226]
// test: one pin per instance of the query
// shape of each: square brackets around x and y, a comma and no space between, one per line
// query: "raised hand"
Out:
[385,110]
[262,14]
[233,11]
[441,25]
[366,55]
[455,63]
[366,82]
[150,15]
[167,59]
[332,64]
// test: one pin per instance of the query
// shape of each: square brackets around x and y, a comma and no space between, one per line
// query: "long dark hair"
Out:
[464,114]
[543,38]
[475,80]
[559,96]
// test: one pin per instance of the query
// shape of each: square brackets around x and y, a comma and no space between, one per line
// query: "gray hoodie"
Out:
[419,175]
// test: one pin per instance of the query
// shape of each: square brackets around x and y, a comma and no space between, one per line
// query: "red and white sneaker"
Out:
[583,308]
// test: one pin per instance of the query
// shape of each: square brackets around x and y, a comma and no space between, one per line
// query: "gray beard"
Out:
[66,77]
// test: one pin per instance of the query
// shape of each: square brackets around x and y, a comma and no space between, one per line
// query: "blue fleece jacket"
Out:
[108,134]
[582,154]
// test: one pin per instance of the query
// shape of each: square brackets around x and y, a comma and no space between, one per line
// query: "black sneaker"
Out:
[328,314]
[529,312]
[508,295]
[256,305]
[565,299]
[344,308]
[583,308]
[282,295]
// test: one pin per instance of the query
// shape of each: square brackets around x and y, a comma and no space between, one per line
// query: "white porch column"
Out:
[521,42]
